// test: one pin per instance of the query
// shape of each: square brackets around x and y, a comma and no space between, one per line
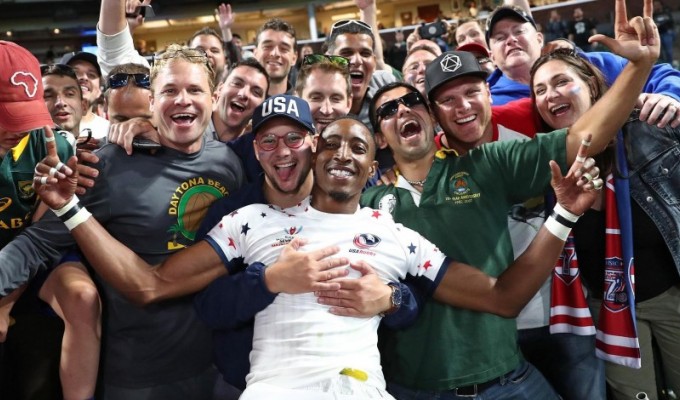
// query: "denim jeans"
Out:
[567,361]
[524,383]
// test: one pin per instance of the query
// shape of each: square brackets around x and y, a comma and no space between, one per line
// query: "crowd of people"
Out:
[495,220]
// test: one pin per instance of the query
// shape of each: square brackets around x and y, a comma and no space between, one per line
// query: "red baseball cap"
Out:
[474,48]
[22,106]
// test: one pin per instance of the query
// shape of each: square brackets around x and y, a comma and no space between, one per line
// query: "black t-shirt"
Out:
[655,271]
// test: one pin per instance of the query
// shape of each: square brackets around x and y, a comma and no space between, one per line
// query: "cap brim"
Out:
[270,116]
[24,116]
[480,74]
[83,56]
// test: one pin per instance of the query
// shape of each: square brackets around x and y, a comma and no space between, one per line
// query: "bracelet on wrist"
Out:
[557,228]
[78,218]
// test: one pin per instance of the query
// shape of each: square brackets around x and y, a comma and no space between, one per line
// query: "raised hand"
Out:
[225,18]
[577,190]
[637,40]
[296,271]
[366,296]
[362,4]
[54,181]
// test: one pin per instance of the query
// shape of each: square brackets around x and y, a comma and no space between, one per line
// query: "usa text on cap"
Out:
[286,106]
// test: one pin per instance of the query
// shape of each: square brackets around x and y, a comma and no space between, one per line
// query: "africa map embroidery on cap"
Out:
[450,63]
[27,80]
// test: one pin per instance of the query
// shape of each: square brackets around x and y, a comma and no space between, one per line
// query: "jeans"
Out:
[524,383]
[567,361]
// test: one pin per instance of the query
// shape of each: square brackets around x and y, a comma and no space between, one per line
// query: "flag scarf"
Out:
[616,337]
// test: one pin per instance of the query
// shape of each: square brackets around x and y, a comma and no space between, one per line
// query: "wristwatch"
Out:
[395,298]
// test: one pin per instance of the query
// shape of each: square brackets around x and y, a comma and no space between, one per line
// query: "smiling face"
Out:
[409,133]
[326,93]
[182,104]
[212,47]
[414,69]
[88,79]
[243,90]
[343,162]
[463,109]
[470,32]
[276,52]
[561,95]
[515,46]
[358,48]
[64,102]
[285,169]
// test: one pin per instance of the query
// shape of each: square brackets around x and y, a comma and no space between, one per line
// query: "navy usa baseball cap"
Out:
[449,66]
[506,11]
[283,105]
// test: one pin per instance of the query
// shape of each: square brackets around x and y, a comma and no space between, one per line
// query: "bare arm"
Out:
[369,15]
[467,287]
[112,17]
[638,41]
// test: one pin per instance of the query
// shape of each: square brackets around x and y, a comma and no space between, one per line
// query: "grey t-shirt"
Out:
[153,204]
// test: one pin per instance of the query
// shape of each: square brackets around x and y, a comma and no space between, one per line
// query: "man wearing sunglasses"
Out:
[462,204]
[300,350]
[128,93]
[354,40]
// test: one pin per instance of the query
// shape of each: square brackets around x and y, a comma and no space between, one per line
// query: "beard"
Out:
[339,197]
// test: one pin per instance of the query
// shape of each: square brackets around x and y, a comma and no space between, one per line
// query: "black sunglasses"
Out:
[317,58]
[388,109]
[58,69]
[120,80]
[348,22]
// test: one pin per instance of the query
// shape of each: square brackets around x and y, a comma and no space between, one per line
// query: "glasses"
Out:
[120,80]
[58,69]
[390,108]
[318,58]
[349,22]
[292,140]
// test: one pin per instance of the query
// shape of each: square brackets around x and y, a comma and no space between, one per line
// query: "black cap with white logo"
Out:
[449,66]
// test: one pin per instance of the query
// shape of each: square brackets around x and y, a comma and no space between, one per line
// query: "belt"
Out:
[474,390]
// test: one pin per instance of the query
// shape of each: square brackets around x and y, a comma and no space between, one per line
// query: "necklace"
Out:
[419,183]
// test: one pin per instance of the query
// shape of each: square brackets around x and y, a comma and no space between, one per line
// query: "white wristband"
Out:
[81,216]
[565,214]
[72,203]
[556,228]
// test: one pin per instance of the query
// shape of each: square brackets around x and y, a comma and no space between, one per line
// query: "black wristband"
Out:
[70,213]
[562,220]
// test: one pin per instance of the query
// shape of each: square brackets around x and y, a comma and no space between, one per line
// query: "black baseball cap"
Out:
[506,11]
[68,58]
[449,66]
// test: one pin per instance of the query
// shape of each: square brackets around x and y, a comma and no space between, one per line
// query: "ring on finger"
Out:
[580,159]
[59,166]
[598,184]
[53,171]
[585,142]
[43,180]
[587,177]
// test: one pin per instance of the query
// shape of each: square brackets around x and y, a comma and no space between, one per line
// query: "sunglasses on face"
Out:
[58,69]
[348,22]
[121,80]
[317,58]
[388,109]
[270,141]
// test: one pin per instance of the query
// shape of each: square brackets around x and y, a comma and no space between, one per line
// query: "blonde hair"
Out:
[176,51]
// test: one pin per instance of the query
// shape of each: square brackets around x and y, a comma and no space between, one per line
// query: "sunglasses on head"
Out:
[348,22]
[183,52]
[270,141]
[317,58]
[388,109]
[58,69]
[121,80]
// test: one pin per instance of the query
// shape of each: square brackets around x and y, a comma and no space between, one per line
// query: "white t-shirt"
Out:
[297,343]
